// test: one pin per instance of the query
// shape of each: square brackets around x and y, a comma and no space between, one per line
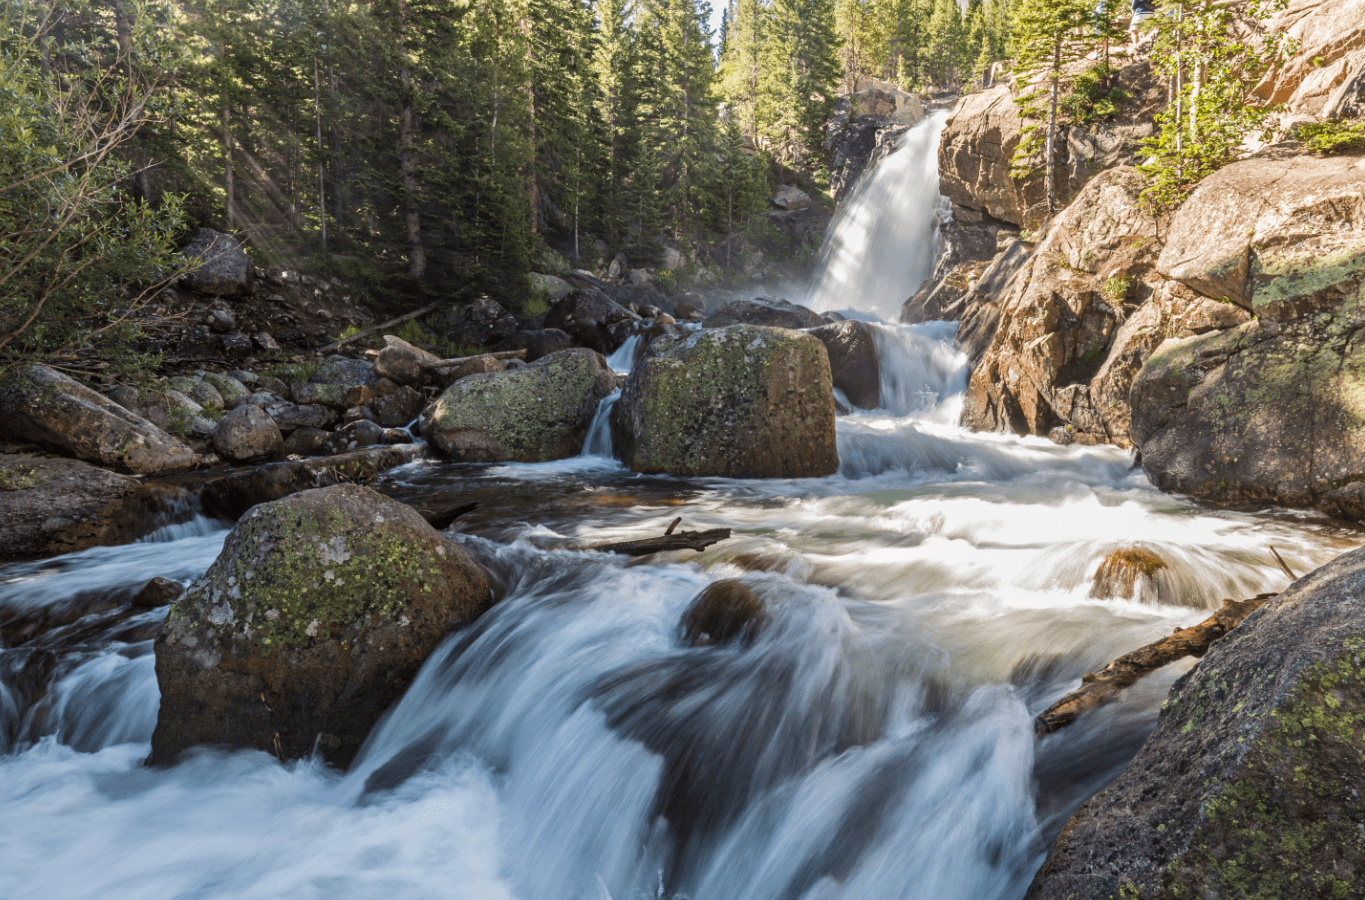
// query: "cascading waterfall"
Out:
[873,741]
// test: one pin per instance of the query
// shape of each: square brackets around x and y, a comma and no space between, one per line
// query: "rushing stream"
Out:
[874,741]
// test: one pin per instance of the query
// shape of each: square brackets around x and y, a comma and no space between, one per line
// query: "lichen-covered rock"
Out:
[740,402]
[1281,235]
[532,414]
[309,625]
[773,312]
[357,434]
[170,410]
[335,396]
[233,392]
[853,361]
[47,407]
[54,506]
[344,371]
[247,434]
[223,266]
[1250,785]
[290,417]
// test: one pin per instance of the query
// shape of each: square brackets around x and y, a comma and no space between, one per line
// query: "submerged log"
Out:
[671,540]
[1104,686]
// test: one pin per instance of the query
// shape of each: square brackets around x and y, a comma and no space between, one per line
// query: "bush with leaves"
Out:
[1329,138]
[78,255]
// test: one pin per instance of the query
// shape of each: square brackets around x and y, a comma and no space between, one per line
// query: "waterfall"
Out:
[883,241]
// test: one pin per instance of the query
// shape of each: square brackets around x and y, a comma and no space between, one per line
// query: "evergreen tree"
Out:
[798,78]
[741,64]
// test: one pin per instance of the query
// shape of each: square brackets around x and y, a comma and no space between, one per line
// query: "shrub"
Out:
[1329,138]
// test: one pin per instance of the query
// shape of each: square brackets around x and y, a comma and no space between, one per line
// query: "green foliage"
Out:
[550,262]
[81,255]
[1115,289]
[1091,98]
[292,373]
[1332,137]
[1213,73]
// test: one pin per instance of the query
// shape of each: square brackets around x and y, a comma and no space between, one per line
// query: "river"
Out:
[874,741]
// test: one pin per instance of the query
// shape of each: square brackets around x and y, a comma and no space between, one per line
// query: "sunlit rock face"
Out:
[309,625]
[744,401]
[1250,785]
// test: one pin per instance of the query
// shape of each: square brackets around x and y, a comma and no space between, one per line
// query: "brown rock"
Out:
[157,592]
[725,612]
[309,625]
[305,442]
[775,313]
[1330,39]
[247,434]
[853,361]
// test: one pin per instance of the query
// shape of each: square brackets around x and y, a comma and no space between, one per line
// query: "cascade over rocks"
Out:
[744,401]
[1250,785]
[46,407]
[1272,409]
[55,506]
[309,625]
[533,414]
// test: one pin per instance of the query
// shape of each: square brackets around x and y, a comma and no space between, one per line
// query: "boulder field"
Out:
[309,625]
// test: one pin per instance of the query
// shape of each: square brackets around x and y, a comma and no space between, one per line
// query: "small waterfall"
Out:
[883,242]
[598,441]
[623,360]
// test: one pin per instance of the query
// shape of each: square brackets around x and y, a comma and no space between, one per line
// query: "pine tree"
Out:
[798,79]
[944,45]
[741,64]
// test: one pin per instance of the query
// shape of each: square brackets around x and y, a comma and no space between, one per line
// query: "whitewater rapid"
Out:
[874,741]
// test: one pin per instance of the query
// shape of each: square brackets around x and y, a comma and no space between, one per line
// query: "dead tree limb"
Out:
[461,360]
[681,540]
[1104,686]
[429,308]
[1283,565]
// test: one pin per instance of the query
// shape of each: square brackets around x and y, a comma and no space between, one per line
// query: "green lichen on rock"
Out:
[534,414]
[1288,280]
[744,401]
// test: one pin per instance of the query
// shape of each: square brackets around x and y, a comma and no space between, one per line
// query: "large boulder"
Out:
[344,371]
[853,361]
[1269,410]
[976,150]
[590,317]
[772,312]
[536,413]
[309,625]
[47,407]
[1250,785]
[536,343]
[54,506]
[1330,52]
[222,266]
[741,402]
[247,434]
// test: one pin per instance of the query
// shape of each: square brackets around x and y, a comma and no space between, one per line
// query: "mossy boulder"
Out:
[309,625]
[537,413]
[744,401]
[1250,785]
[770,311]
[46,407]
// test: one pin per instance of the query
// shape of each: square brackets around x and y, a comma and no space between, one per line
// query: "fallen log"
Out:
[671,540]
[1104,686]
[461,360]
[429,308]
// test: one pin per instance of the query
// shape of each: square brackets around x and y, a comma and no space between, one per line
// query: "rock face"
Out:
[1331,52]
[54,506]
[967,252]
[49,408]
[1250,786]
[981,136]
[533,414]
[773,312]
[308,626]
[739,402]
[853,361]
[224,268]
[1273,408]
[1047,361]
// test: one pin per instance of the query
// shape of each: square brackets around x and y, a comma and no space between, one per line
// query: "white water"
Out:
[883,242]
[873,742]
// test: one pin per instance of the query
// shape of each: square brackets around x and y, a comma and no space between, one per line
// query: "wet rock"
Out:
[535,414]
[536,343]
[853,361]
[1062,435]
[342,370]
[223,266]
[587,316]
[232,495]
[738,402]
[233,392]
[398,408]
[305,442]
[310,624]
[1249,787]
[775,313]
[357,434]
[397,436]
[157,593]
[1346,502]
[55,506]
[1123,571]
[726,612]
[247,434]
[46,407]
[968,250]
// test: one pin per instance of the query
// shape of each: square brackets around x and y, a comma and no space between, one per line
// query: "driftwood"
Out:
[1104,686]
[429,308]
[682,540]
[461,360]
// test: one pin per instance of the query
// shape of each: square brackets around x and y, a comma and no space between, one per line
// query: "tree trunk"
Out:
[417,255]
[1050,165]
[322,184]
